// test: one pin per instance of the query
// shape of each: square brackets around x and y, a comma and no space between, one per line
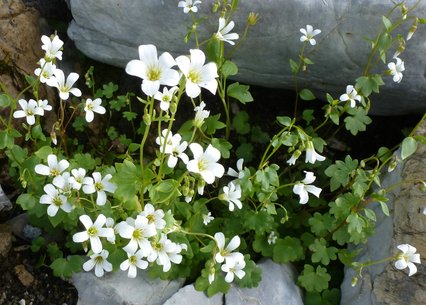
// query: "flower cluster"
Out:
[30,109]
[233,263]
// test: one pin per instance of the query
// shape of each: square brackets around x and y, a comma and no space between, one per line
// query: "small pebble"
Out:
[24,276]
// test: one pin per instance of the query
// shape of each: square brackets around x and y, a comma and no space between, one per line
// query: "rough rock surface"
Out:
[188,294]
[5,203]
[117,289]
[383,284]
[110,31]
[278,284]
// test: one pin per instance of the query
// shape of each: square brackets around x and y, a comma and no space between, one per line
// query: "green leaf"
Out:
[253,274]
[288,250]
[321,224]
[85,161]
[341,172]
[322,253]
[229,68]
[128,180]
[129,115]
[223,146]
[307,95]
[386,22]
[66,267]
[285,120]
[293,66]
[308,115]
[43,152]
[408,147]
[5,100]
[314,280]
[212,124]
[109,89]
[368,84]
[343,204]
[26,201]
[260,222]
[245,151]
[240,92]
[165,191]
[357,121]
[240,123]
[355,223]
[7,139]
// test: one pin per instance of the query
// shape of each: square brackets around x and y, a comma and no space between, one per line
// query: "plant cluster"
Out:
[159,196]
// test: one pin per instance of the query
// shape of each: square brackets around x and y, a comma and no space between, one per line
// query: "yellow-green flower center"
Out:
[133,260]
[93,231]
[194,76]
[99,259]
[151,218]
[202,165]
[54,172]
[154,74]
[57,201]
[137,234]
[99,186]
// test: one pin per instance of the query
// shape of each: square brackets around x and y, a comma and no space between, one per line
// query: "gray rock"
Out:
[383,284]
[277,287]
[110,31]
[5,203]
[117,289]
[188,294]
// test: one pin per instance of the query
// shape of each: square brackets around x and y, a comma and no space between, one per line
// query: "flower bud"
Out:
[413,29]
[173,107]
[404,11]
[354,281]
[147,119]
[252,18]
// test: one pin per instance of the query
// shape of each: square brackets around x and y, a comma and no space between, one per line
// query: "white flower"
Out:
[302,188]
[189,6]
[205,163]
[351,95]
[53,168]
[100,186]
[173,147]
[55,200]
[29,110]
[164,252]
[43,105]
[272,238]
[311,155]
[207,218]
[45,72]
[294,157]
[93,232]
[99,262]
[154,71]
[200,115]
[138,234]
[154,216]
[110,224]
[233,268]
[223,31]
[93,106]
[79,178]
[197,74]
[396,69]
[232,194]
[166,97]
[63,182]
[308,34]
[226,252]
[134,262]
[233,173]
[64,86]
[52,47]
[407,258]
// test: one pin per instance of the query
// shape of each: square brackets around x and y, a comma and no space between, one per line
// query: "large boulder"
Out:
[110,31]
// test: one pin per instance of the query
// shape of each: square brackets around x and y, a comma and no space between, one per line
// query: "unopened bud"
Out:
[252,18]
[413,29]
[400,49]
[53,137]
[354,281]
[216,6]
[392,166]
[173,107]
[404,11]
[147,119]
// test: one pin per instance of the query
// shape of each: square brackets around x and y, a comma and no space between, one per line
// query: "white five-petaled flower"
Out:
[272,238]
[308,34]
[43,105]
[200,115]
[93,106]
[302,188]
[351,95]
[52,47]
[65,87]
[93,232]
[233,173]
[29,110]
[154,216]
[63,182]
[53,167]
[79,178]
[55,200]
[189,6]
[153,70]
[407,258]
[396,69]
[207,218]
[232,194]
[173,147]
[164,252]
[100,186]
[223,31]
[45,72]
[99,262]
[311,155]
[138,233]
[225,253]
[133,262]
[197,74]
[165,97]
[294,157]
[233,268]
[205,162]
